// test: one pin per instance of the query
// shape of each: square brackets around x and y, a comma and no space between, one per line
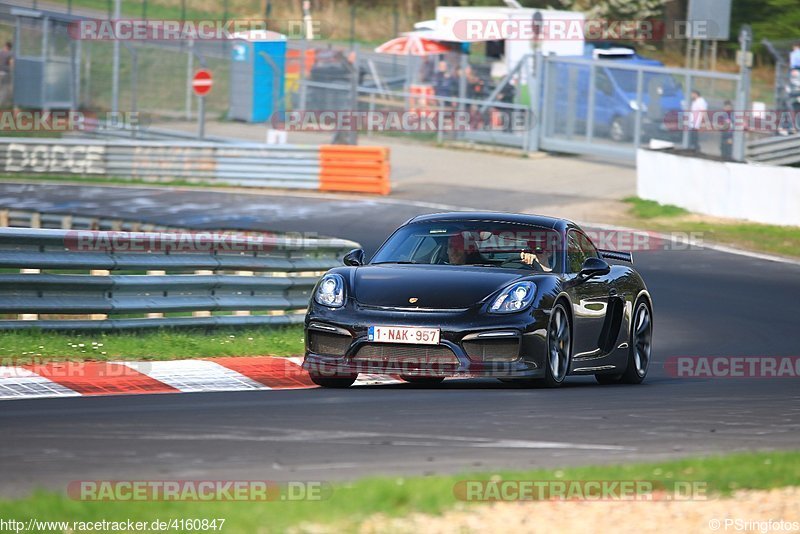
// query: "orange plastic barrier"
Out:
[359,169]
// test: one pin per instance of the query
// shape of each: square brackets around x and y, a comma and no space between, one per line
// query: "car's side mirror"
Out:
[594,267]
[354,258]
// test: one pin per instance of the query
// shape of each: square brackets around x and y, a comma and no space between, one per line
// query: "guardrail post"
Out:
[202,313]
[29,316]
[98,316]
[3,217]
[36,220]
[155,315]
[243,313]
[66,222]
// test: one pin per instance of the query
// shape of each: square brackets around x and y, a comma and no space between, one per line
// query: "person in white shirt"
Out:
[794,57]
[699,109]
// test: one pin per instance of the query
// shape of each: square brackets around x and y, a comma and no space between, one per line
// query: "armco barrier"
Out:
[767,194]
[212,279]
[328,167]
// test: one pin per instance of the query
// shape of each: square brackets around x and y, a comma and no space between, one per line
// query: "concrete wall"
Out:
[760,193]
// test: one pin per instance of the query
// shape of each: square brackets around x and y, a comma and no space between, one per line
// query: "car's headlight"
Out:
[514,298]
[330,291]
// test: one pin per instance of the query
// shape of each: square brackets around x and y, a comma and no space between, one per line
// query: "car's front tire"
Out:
[559,349]
[337,381]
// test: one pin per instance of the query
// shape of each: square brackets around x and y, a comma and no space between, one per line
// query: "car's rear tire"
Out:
[423,380]
[337,381]
[639,348]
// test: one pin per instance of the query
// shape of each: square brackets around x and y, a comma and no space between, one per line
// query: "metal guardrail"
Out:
[222,279]
[778,150]
[20,218]
[357,169]
[245,164]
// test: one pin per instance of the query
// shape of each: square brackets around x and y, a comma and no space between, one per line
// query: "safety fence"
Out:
[90,280]
[328,167]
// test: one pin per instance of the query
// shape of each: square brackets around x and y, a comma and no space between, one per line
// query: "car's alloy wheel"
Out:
[335,381]
[641,343]
[559,348]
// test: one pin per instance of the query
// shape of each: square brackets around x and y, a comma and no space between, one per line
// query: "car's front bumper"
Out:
[471,343]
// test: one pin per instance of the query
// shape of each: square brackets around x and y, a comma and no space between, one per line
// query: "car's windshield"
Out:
[475,243]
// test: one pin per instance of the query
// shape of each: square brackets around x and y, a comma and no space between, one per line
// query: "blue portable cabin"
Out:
[258,73]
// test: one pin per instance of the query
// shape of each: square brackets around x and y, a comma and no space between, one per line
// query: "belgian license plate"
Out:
[401,334]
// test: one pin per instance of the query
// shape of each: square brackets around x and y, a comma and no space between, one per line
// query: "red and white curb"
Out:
[72,379]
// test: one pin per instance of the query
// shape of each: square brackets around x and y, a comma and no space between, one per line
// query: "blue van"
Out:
[615,96]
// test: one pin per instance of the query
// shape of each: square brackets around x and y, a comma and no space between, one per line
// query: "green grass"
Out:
[781,240]
[650,209]
[350,503]
[36,346]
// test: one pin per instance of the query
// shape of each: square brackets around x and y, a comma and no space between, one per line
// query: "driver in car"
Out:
[459,253]
[541,258]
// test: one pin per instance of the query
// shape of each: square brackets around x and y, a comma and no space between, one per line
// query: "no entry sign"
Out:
[202,82]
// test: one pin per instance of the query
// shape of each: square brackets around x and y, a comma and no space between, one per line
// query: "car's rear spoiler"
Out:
[617,255]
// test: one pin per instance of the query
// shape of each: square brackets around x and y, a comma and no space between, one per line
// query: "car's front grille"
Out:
[492,350]
[396,354]
[327,343]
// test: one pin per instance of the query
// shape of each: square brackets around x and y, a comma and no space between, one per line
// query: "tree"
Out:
[617,9]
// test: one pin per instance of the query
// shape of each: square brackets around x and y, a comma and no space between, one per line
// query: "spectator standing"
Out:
[699,109]
[794,57]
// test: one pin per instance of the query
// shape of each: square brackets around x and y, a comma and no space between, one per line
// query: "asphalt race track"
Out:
[707,303]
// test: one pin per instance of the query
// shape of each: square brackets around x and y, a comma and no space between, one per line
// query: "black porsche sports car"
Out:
[515,297]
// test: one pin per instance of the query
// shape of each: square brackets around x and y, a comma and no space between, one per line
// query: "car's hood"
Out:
[435,286]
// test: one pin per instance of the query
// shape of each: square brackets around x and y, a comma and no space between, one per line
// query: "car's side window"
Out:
[575,254]
[589,250]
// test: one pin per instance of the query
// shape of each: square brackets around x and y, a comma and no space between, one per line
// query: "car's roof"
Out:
[516,218]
